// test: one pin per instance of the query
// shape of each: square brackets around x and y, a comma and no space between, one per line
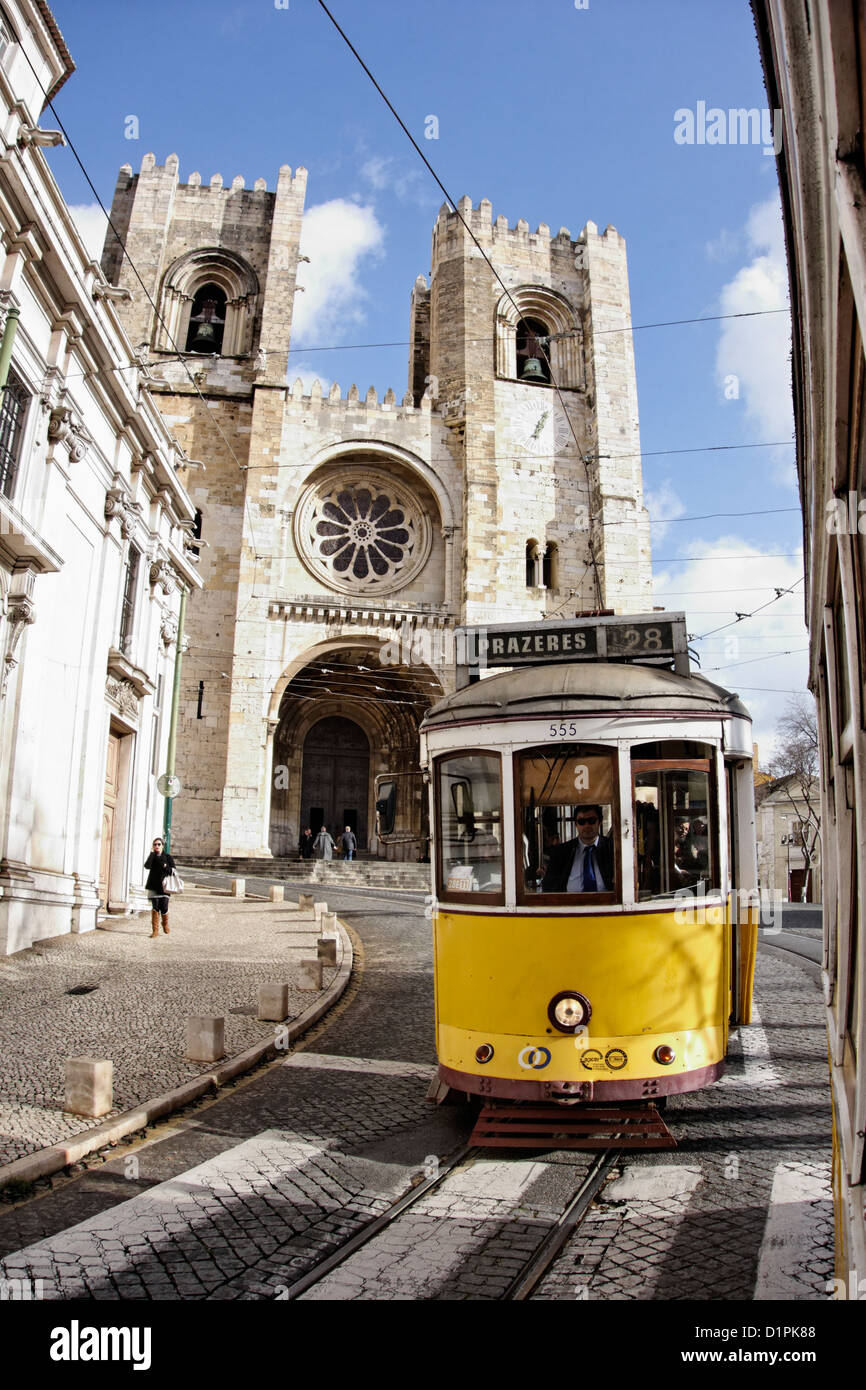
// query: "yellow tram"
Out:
[594,866]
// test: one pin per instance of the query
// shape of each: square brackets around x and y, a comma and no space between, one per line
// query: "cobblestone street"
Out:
[117,993]
[239,1198]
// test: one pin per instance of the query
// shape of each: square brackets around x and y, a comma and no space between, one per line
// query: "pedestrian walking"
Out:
[306,844]
[159,865]
[324,844]
[348,842]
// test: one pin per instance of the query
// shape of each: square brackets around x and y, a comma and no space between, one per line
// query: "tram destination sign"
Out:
[658,639]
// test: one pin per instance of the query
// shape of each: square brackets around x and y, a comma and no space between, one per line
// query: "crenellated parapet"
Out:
[315,397]
[480,221]
[185,237]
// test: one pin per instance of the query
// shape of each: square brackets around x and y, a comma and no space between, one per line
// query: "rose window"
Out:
[364,535]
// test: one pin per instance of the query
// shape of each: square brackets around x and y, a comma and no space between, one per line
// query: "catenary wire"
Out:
[134,268]
[741,617]
[625,328]
[453,205]
[597,332]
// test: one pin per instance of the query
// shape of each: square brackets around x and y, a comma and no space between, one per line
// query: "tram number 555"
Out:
[562,730]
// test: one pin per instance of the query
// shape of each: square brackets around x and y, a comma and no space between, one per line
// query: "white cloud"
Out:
[712,590]
[340,237]
[390,174]
[663,505]
[726,245]
[308,374]
[92,225]
[753,356]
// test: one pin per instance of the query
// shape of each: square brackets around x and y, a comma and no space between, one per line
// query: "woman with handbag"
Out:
[160,866]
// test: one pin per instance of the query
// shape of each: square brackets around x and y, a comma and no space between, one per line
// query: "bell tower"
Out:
[219,264]
[532,368]
[343,538]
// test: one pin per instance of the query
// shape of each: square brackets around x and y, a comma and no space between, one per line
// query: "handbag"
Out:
[173,883]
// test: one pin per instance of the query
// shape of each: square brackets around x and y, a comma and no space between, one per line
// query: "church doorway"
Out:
[335,783]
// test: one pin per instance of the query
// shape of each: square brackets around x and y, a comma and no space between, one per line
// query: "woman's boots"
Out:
[165,923]
[154,922]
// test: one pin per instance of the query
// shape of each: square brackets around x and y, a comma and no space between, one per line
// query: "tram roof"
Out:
[563,687]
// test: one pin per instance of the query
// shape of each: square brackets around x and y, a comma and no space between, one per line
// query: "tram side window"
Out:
[568,821]
[675,840]
[469,814]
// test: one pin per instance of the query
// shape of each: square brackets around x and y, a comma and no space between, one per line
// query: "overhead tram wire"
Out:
[452,202]
[741,617]
[751,660]
[499,458]
[598,332]
[756,555]
[181,357]
[242,467]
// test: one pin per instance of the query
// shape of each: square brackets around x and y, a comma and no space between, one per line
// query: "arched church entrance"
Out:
[335,778]
[340,720]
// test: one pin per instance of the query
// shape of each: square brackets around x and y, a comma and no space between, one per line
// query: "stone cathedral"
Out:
[343,538]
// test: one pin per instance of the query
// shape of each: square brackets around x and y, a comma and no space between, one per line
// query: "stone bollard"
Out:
[205,1038]
[276,893]
[89,1086]
[305,900]
[328,923]
[273,1003]
[310,974]
[239,888]
[326,947]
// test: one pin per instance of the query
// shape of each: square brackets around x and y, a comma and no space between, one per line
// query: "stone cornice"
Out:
[123,675]
[328,610]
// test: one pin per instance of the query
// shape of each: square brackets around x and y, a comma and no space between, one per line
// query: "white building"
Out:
[813,65]
[94,533]
[789,846]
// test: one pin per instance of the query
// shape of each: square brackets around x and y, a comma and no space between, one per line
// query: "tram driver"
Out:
[585,864]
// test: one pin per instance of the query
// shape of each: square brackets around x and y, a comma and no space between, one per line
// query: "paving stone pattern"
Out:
[242,1199]
[704,1241]
[217,953]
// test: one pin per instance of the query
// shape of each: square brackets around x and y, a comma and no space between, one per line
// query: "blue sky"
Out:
[556,114]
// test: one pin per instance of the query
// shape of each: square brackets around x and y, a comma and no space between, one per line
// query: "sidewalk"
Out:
[218,952]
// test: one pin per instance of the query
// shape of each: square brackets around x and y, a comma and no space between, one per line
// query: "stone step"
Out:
[374,873]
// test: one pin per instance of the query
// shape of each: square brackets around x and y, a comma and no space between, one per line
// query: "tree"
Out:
[796,765]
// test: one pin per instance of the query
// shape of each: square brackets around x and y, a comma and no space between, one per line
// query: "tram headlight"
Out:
[665,1055]
[569,1010]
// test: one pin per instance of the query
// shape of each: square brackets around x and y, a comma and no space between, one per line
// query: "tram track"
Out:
[537,1263]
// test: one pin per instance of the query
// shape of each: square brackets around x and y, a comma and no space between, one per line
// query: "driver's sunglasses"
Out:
[587,820]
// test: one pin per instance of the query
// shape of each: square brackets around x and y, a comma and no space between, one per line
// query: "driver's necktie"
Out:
[590,883]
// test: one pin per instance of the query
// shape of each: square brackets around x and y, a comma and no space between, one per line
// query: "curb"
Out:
[45,1162]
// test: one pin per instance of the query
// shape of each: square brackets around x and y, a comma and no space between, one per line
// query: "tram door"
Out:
[336,778]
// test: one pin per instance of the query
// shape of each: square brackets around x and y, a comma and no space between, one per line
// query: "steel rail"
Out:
[379,1223]
[522,1286]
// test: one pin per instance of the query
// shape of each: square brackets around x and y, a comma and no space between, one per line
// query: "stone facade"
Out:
[94,525]
[788,847]
[344,538]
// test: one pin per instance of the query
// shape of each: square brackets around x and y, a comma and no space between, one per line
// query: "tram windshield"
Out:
[674,837]
[569,826]
[469,798]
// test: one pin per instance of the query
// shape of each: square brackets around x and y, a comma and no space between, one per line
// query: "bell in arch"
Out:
[205,338]
[206,328]
[532,336]
[533,371]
